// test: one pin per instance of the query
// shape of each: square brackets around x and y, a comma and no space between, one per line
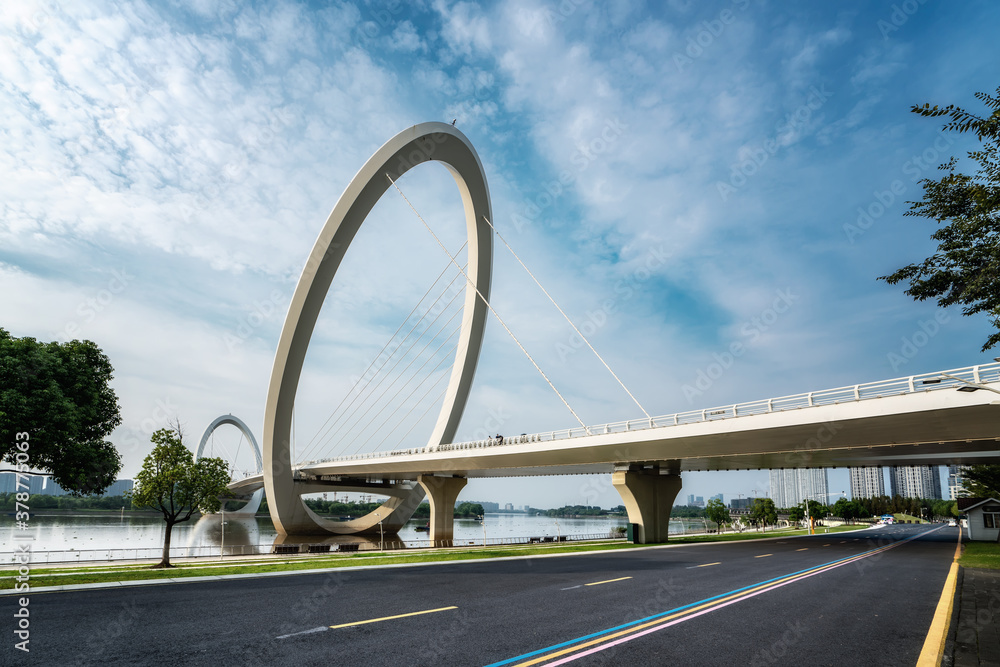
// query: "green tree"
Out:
[796,513]
[817,510]
[966,267]
[982,481]
[469,510]
[172,482]
[846,510]
[59,394]
[716,511]
[763,512]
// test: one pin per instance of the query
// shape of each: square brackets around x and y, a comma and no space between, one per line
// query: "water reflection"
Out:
[235,534]
[94,536]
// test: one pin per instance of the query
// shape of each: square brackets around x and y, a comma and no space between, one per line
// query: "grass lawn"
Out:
[981,554]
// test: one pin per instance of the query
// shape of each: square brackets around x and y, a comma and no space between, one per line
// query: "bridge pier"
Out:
[442,492]
[648,494]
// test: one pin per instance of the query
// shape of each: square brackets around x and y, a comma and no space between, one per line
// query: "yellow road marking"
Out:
[389,618]
[763,555]
[708,564]
[933,649]
[608,581]
[826,545]
[806,549]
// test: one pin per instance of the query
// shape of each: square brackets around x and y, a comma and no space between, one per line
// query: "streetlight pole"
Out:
[222,547]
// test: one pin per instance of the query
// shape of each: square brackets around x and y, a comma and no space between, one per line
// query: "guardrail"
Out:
[209,551]
[913,384]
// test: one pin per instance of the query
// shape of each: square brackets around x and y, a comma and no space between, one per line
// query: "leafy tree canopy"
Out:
[763,512]
[965,269]
[982,481]
[717,511]
[59,394]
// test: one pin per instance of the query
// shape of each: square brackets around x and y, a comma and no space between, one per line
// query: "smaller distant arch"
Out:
[254,504]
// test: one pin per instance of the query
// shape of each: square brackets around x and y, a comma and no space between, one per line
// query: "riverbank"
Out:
[75,574]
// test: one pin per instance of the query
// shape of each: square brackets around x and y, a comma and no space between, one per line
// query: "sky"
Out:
[680,176]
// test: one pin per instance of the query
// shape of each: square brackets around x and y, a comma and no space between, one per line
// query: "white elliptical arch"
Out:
[418,144]
[254,504]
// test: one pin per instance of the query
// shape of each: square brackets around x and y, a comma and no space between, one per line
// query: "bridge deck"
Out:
[937,418]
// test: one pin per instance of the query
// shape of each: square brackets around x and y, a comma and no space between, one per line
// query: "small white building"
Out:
[984,519]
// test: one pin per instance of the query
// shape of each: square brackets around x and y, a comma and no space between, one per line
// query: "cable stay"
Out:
[563,313]
[403,386]
[436,401]
[412,391]
[488,305]
[364,380]
[347,429]
[415,405]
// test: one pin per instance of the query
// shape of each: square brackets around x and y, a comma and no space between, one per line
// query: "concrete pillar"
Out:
[648,495]
[442,492]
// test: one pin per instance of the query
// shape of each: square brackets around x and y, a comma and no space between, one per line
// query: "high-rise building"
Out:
[867,482]
[718,497]
[915,481]
[790,487]
[955,482]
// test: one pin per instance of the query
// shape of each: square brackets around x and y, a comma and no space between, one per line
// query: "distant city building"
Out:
[915,481]
[509,507]
[867,482]
[119,487]
[955,489]
[790,487]
[695,501]
[718,497]
[741,503]
[41,485]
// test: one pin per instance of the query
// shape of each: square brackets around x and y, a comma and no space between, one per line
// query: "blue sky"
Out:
[166,168]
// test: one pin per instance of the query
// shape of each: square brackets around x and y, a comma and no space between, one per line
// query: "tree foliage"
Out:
[763,512]
[965,269]
[718,512]
[982,481]
[172,482]
[59,393]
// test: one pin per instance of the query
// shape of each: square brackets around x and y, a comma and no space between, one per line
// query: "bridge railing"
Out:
[940,380]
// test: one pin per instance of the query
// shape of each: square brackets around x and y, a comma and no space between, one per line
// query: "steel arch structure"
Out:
[254,504]
[416,145]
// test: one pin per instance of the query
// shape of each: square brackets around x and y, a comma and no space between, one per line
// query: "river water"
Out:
[104,536]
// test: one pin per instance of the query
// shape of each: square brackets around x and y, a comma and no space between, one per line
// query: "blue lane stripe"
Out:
[695,604]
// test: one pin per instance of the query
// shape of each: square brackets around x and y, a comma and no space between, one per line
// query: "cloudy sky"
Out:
[681,175]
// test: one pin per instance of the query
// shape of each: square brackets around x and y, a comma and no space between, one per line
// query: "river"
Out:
[106,535]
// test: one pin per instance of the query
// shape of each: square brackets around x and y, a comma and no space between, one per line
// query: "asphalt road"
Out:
[860,609]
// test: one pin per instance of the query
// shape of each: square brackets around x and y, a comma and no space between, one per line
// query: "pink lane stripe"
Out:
[622,640]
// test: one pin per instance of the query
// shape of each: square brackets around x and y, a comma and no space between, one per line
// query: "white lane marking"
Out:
[321,628]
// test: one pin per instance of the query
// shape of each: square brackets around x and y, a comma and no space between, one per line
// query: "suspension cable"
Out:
[488,305]
[403,386]
[347,430]
[424,414]
[320,433]
[561,312]
[413,391]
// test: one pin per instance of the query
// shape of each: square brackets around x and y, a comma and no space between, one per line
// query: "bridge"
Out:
[948,417]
